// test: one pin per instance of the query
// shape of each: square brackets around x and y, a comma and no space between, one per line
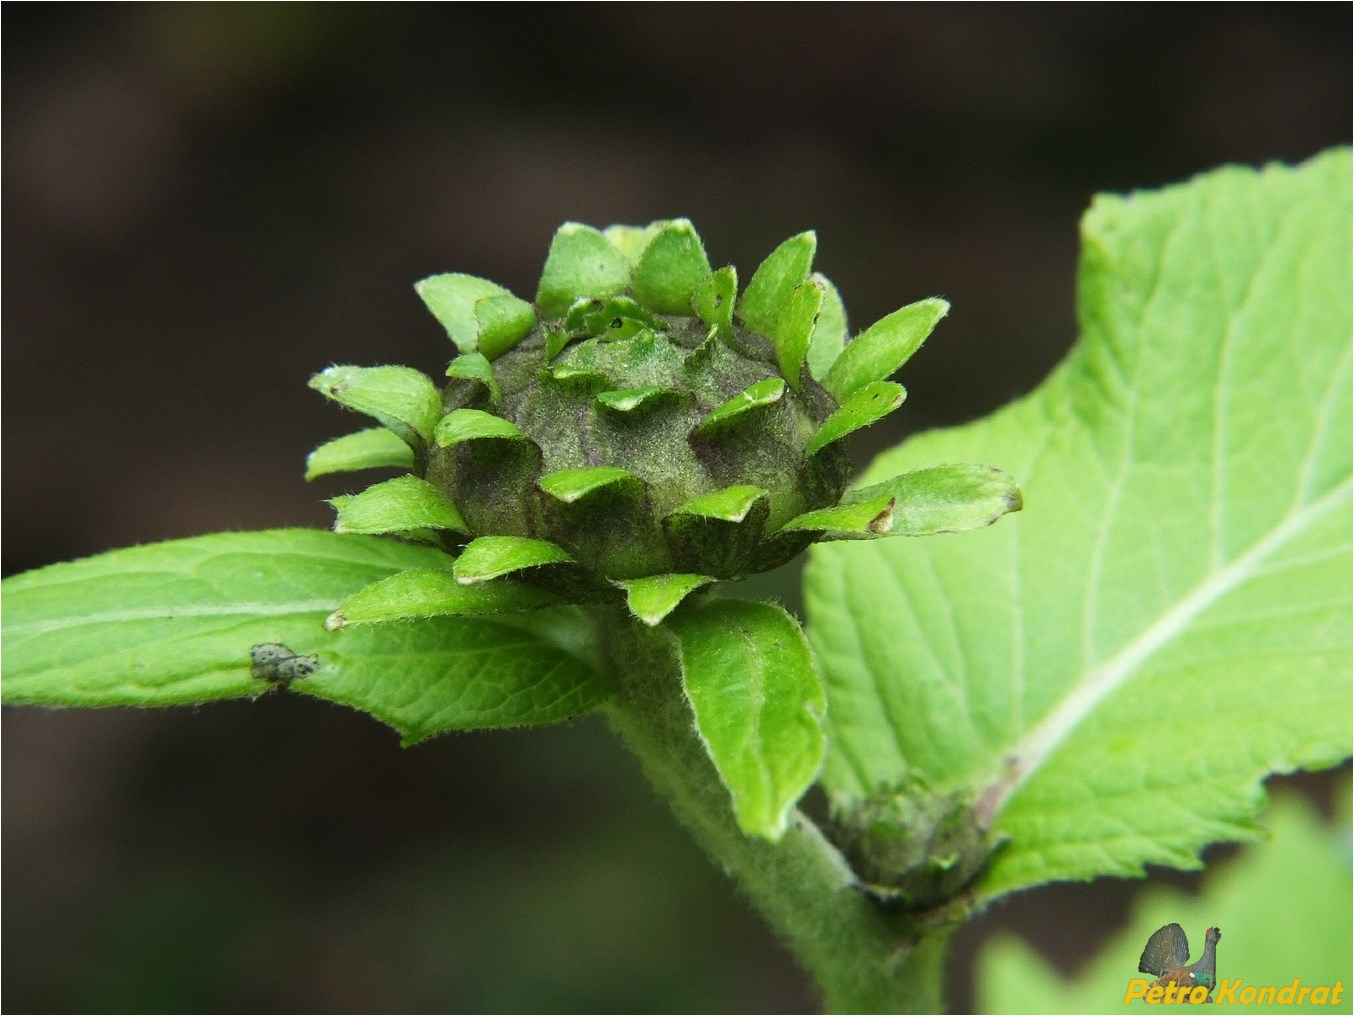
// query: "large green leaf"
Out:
[1116,669]
[1282,908]
[173,623]
[758,703]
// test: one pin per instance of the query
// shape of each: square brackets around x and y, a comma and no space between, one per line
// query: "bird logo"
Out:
[1167,954]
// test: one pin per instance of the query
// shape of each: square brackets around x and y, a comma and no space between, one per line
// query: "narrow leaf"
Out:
[755,396]
[490,557]
[452,298]
[863,407]
[581,263]
[794,327]
[396,506]
[433,592]
[829,334]
[714,298]
[670,269]
[926,502]
[375,448]
[758,705]
[862,521]
[474,425]
[784,270]
[1167,623]
[400,398]
[882,348]
[653,598]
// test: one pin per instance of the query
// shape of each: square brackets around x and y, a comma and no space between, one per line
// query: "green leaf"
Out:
[926,502]
[1116,669]
[784,271]
[863,521]
[474,425]
[501,322]
[882,348]
[570,485]
[670,269]
[722,531]
[490,557]
[433,592]
[581,263]
[794,327]
[461,673]
[1303,869]
[635,399]
[758,703]
[452,298]
[732,504]
[714,298]
[829,334]
[396,506]
[376,448]
[174,623]
[865,406]
[400,398]
[752,398]
[653,598]
[476,367]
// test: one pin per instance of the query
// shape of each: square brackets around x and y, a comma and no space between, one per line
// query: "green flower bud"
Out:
[631,422]
[639,429]
[909,844]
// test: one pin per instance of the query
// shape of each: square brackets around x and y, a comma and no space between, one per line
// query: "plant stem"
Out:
[864,958]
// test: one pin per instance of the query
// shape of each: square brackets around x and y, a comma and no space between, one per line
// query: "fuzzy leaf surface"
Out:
[452,298]
[882,348]
[784,270]
[758,703]
[375,448]
[400,398]
[582,262]
[1117,668]
[173,624]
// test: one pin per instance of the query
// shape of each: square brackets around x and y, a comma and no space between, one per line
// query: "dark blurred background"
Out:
[204,204]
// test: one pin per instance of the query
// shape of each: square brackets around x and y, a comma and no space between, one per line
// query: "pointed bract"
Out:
[883,347]
[784,271]
[671,267]
[452,297]
[433,592]
[400,398]
[654,597]
[375,448]
[396,506]
[490,557]
[582,263]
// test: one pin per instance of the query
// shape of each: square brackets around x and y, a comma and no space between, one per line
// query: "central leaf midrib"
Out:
[1099,682]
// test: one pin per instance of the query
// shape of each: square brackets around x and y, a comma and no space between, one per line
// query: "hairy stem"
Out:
[864,958]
